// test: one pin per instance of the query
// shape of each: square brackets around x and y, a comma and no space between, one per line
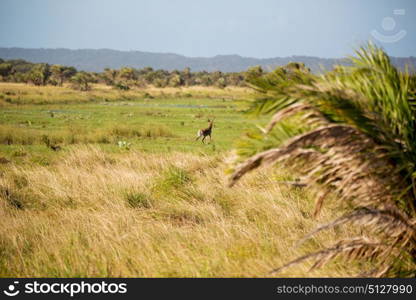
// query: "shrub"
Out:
[138,200]
[81,81]
[171,179]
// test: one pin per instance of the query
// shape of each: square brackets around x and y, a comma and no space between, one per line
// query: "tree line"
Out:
[125,78]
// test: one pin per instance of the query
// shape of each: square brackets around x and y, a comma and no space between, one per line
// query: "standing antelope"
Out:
[205,132]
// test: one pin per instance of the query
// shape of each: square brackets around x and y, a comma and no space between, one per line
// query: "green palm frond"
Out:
[275,86]
[357,139]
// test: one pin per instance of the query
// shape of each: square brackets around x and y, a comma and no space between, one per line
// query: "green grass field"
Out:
[158,123]
[158,205]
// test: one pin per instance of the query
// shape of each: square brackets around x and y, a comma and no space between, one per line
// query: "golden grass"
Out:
[21,93]
[202,91]
[90,213]
[76,135]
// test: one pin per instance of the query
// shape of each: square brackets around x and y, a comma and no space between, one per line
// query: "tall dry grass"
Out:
[25,94]
[91,213]
[13,135]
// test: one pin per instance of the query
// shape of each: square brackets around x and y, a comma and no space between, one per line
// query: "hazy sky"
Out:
[257,28]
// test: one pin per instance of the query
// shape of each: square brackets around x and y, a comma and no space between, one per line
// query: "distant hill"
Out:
[97,60]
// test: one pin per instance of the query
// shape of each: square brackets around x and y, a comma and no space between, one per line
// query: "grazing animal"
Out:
[205,132]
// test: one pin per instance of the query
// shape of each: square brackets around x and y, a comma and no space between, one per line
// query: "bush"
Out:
[138,200]
[81,81]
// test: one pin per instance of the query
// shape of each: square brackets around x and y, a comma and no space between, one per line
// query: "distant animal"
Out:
[205,132]
[55,147]
[48,143]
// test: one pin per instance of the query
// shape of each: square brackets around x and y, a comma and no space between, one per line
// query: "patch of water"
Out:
[168,105]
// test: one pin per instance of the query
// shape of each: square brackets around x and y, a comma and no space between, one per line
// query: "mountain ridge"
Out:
[97,59]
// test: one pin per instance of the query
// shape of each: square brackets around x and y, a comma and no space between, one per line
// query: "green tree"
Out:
[160,82]
[221,83]
[206,79]
[127,74]
[109,76]
[175,80]
[61,73]
[81,81]
[20,66]
[68,72]
[5,69]
[186,76]
[39,74]
[253,73]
